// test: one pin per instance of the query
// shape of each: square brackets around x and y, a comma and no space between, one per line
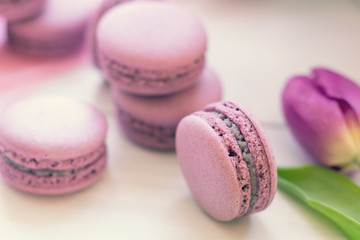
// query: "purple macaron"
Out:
[151,47]
[227,161]
[52,145]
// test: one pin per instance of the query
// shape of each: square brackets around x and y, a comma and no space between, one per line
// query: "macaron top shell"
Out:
[169,109]
[151,35]
[207,169]
[52,127]
[58,18]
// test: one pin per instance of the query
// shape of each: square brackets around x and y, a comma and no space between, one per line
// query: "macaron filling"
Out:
[235,130]
[94,156]
[147,77]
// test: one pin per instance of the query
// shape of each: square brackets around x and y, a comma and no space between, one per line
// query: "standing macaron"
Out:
[60,30]
[150,47]
[16,10]
[227,161]
[52,145]
[152,121]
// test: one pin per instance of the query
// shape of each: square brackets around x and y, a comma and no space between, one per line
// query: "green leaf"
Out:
[326,191]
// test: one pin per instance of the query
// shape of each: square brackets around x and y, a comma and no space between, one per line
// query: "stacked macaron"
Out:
[153,55]
[59,28]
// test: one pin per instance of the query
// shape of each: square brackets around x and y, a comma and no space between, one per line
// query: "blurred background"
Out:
[255,46]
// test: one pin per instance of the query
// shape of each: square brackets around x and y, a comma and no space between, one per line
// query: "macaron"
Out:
[16,10]
[60,30]
[151,47]
[152,121]
[226,160]
[52,145]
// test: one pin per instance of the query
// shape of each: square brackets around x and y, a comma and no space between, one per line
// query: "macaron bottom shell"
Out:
[254,150]
[55,182]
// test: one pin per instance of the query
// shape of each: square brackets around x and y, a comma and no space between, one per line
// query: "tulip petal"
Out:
[347,94]
[317,121]
[338,87]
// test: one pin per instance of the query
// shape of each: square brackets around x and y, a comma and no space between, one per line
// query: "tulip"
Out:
[323,112]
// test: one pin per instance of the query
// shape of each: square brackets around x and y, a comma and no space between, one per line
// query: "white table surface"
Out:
[254,45]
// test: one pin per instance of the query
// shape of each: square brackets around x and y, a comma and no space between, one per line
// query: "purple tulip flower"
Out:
[323,112]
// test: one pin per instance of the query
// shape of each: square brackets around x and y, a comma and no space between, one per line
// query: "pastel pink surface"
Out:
[19,71]
[163,113]
[213,165]
[52,135]
[52,127]
[60,29]
[21,10]
[153,40]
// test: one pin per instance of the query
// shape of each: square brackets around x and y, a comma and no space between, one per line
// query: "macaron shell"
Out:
[207,169]
[271,161]
[260,150]
[104,7]
[52,185]
[52,127]
[151,35]
[21,10]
